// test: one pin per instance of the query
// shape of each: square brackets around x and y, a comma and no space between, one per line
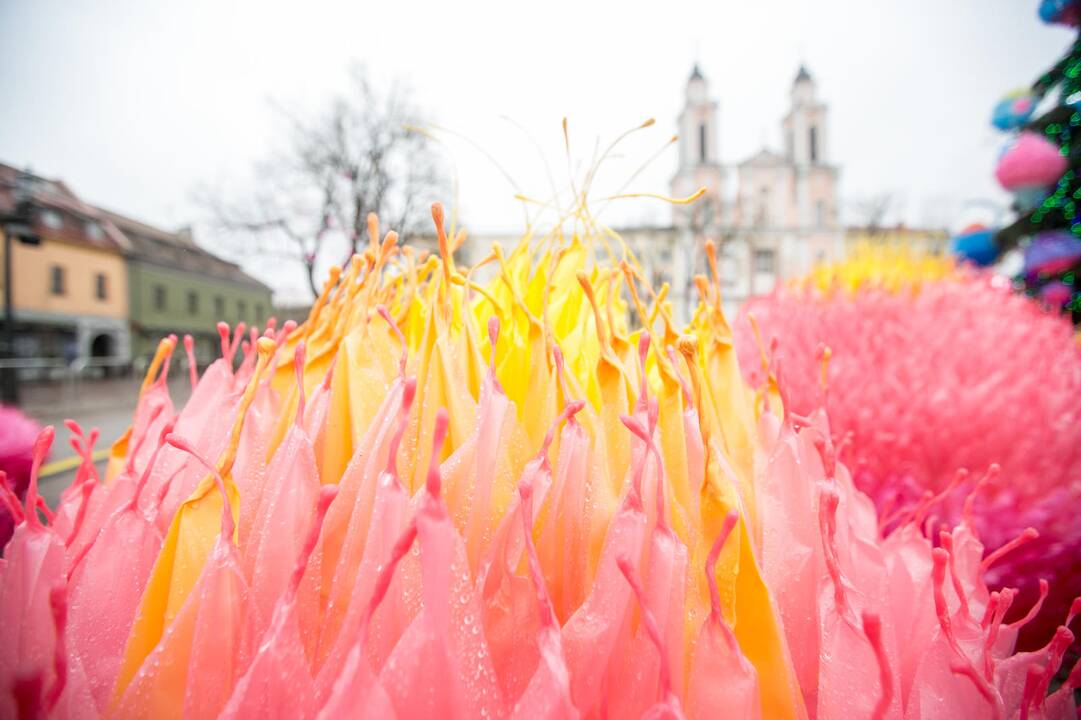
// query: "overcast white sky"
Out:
[136,104]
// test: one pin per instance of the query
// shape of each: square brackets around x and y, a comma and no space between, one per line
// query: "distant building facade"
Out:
[297,312]
[925,241]
[70,292]
[102,289]
[175,286]
[772,216]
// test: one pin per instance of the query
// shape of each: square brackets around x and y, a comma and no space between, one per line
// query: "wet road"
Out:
[107,405]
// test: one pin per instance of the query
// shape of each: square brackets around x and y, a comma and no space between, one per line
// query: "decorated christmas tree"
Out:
[1041,166]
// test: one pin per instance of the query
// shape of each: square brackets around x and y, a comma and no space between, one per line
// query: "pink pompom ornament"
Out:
[17,435]
[1055,295]
[1030,162]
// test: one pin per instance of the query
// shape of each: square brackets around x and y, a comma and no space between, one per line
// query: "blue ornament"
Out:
[977,246]
[1051,252]
[1065,12]
[1013,111]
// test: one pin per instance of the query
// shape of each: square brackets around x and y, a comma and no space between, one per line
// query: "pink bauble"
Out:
[1031,162]
[17,435]
[1056,294]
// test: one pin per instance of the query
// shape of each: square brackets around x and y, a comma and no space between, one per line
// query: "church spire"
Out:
[805,125]
[699,151]
[698,123]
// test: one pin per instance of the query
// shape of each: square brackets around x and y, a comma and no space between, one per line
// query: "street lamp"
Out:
[17,225]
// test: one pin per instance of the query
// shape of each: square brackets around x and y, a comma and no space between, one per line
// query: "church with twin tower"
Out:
[772,216]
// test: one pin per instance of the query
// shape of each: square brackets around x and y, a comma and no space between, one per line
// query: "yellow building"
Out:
[70,292]
[917,240]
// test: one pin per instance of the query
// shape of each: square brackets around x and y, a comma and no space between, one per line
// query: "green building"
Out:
[175,286]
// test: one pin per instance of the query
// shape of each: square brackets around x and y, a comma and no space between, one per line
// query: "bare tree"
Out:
[359,155]
[870,212]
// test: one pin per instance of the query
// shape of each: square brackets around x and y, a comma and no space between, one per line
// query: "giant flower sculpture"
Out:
[440,497]
[954,374]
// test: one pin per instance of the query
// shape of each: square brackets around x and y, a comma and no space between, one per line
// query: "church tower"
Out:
[699,157]
[805,130]
[805,124]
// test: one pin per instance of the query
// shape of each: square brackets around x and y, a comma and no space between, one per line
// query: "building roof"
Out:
[802,74]
[765,157]
[696,73]
[77,222]
[84,224]
[176,250]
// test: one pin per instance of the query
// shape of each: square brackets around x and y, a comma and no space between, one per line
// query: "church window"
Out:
[814,144]
[763,260]
[763,206]
[729,270]
[702,154]
[820,213]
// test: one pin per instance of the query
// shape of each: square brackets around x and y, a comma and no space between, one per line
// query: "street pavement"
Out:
[104,404]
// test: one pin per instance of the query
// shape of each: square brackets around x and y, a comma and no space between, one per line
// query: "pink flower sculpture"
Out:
[387,512]
[927,383]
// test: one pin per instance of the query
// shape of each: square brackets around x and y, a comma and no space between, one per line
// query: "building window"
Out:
[820,213]
[729,270]
[219,307]
[56,280]
[52,219]
[763,207]
[702,149]
[241,309]
[101,286]
[814,144]
[94,231]
[258,312]
[764,260]
[193,302]
[159,298]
